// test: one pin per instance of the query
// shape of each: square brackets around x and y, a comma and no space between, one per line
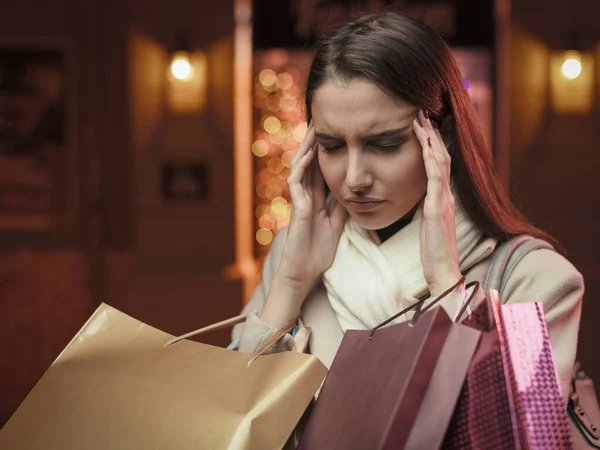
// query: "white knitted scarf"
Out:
[369,282]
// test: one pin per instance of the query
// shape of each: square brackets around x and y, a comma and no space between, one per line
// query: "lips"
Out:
[364,206]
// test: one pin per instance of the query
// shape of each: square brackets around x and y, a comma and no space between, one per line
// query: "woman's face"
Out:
[368,152]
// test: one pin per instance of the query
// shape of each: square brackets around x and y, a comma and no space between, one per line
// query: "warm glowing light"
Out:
[278,99]
[288,102]
[286,159]
[273,190]
[287,127]
[275,166]
[279,208]
[263,175]
[279,201]
[260,93]
[261,210]
[267,77]
[272,125]
[300,131]
[260,148]
[572,82]
[261,190]
[278,138]
[277,57]
[290,144]
[284,174]
[267,221]
[264,236]
[284,81]
[181,68]
[283,222]
[571,68]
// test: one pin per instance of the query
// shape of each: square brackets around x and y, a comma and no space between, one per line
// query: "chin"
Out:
[372,221]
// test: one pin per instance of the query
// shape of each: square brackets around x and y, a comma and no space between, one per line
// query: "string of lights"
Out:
[280,127]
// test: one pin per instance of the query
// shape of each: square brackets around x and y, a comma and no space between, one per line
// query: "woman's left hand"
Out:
[439,253]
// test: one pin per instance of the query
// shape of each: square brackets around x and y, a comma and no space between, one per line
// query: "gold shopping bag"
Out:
[118,386]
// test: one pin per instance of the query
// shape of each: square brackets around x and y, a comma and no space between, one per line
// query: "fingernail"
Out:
[419,121]
[426,114]
[429,142]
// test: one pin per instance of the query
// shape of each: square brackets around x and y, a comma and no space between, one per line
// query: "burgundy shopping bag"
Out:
[511,398]
[393,388]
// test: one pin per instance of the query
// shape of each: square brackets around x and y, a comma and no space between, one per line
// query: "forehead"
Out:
[356,108]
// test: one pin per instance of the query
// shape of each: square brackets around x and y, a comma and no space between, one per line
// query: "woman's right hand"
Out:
[312,237]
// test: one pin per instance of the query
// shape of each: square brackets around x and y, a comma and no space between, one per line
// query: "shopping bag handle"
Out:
[300,339]
[213,327]
[465,306]
[428,307]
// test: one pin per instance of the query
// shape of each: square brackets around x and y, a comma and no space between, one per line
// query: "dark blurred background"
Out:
[144,147]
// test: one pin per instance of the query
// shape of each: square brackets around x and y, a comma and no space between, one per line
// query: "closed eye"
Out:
[388,147]
[331,148]
[384,148]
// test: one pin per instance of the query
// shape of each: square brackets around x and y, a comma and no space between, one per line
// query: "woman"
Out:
[415,200]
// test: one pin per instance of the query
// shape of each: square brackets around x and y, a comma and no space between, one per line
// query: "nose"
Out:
[358,175]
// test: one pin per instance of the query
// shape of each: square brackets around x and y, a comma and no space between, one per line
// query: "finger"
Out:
[443,159]
[441,156]
[307,178]
[436,181]
[435,142]
[445,152]
[434,177]
[307,143]
[318,182]
[298,173]
[296,180]
[431,166]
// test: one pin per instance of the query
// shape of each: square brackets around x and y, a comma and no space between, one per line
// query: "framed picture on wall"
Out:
[37,131]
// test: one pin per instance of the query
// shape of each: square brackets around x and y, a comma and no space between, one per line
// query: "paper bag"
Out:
[116,386]
[511,398]
[394,389]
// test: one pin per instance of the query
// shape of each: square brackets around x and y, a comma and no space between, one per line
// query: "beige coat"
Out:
[542,276]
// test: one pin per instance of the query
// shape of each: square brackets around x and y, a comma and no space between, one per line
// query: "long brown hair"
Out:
[412,63]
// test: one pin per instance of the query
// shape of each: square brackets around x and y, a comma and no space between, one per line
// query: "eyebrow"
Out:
[383,134]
